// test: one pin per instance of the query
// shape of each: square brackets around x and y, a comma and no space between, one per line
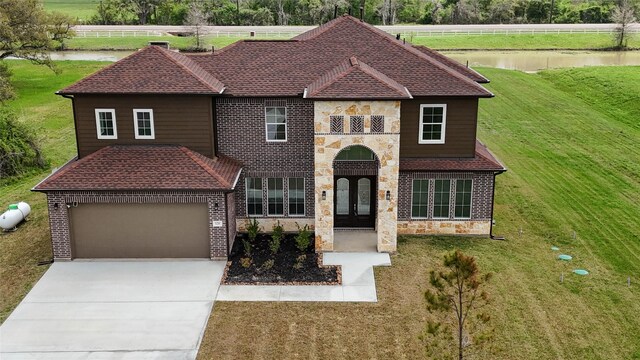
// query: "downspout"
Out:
[493,198]
[75,120]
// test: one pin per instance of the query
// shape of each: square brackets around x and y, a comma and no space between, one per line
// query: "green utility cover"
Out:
[13,207]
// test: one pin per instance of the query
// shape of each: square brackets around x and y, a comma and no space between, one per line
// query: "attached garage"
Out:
[139,231]
[135,201]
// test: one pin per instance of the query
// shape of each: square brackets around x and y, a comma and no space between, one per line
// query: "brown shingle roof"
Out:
[285,68]
[468,72]
[483,161]
[151,70]
[354,79]
[144,167]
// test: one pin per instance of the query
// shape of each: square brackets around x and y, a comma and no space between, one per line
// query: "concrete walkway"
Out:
[358,283]
[114,310]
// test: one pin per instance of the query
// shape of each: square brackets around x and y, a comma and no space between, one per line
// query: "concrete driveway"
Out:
[114,310]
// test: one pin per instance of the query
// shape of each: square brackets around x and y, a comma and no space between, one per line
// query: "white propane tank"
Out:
[16,213]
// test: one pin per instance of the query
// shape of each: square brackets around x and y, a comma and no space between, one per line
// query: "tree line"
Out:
[379,12]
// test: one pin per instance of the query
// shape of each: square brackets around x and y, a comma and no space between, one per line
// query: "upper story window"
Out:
[106,124]
[433,120]
[276,123]
[143,123]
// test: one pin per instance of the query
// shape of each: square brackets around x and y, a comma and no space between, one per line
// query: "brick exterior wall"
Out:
[59,218]
[480,197]
[241,135]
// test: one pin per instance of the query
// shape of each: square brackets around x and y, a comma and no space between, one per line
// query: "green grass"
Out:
[570,140]
[80,9]
[51,115]
[137,42]
[471,42]
[521,42]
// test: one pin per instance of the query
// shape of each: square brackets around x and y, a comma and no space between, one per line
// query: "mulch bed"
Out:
[282,272]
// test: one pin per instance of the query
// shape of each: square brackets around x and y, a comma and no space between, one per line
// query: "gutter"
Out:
[493,197]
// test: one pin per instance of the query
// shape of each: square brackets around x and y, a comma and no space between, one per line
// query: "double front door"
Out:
[355,201]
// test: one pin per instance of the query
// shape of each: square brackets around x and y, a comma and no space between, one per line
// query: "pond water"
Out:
[514,60]
[539,60]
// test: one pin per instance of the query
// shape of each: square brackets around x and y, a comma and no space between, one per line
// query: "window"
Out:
[433,118]
[463,198]
[377,123]
[441,199]
[143,123]
[355,152]
[420,197]
[254,196]
[357,123]
[296,196]
[106,124]
[276,123]
[275,196]
[337,123]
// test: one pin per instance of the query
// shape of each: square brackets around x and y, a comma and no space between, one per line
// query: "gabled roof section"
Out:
[144,167]
[468,72]
[353,79]
[483,160]
[270,68]
[151,70]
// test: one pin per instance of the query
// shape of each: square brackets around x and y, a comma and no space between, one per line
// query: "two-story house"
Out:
[343,126]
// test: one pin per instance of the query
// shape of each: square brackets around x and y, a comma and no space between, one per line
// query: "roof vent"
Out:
[162,44]
[354,61]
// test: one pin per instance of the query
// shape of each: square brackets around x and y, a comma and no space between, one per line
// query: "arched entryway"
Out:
[355,170]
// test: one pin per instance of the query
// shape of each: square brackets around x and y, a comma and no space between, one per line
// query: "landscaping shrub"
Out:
[253,229]
[276,237]
[19,151]
[247,247]
[303,239]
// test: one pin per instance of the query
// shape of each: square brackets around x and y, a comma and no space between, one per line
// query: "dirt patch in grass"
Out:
[288,266]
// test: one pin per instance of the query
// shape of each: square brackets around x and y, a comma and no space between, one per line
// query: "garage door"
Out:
[139,231]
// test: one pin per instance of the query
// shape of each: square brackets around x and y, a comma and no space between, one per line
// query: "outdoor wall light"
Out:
[324,195]
[55,206]
[215,205]
[388,195]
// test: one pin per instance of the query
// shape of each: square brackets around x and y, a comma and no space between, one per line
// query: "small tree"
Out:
[457,292]
[197,19]
[276,237]
[623,15]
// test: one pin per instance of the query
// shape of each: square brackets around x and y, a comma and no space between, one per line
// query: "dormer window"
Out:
[433,120]
[106,124]
[143,123]
[276,123]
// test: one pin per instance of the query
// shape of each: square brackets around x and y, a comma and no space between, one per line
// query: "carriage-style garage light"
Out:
[388,195]
[324,195]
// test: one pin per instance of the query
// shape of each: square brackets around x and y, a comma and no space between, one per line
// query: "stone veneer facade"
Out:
[61,231]
[386,147]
